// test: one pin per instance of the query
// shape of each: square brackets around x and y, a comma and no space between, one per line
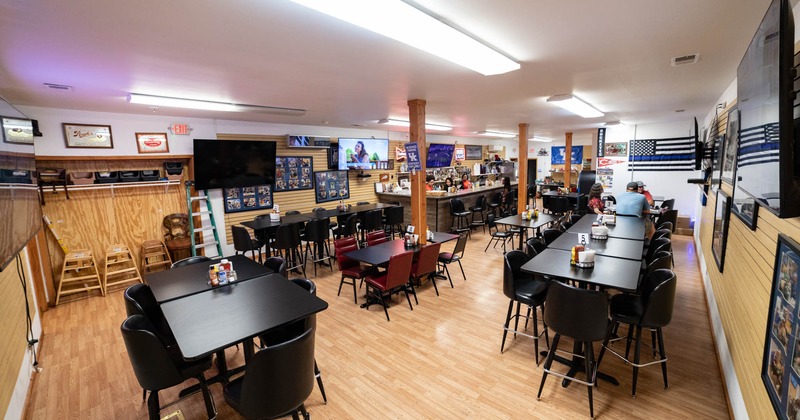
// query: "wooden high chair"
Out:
[79,274]
[120,267]
[154,256]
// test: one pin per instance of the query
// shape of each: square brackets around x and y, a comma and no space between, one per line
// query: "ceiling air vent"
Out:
[684,60]
[58,87]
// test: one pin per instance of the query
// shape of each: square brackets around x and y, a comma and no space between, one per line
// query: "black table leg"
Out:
[576,365]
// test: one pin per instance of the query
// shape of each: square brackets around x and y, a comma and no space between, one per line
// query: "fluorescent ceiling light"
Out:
[405,23]
[576,106]
[402,123]
[613,123]
[541,139]
[489,133]
[136,98]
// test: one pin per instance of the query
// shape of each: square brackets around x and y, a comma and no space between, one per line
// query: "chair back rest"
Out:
[456,205]
[559,205]
[581,314]
[497,199]
[373,220]
[512,262]
[241,239]
[318,209]
[663,233]
[428,256]
[669,216]
[479,202]
[666,225]
[176,225]
[376,237]
[550,235]
[151,362]
[287,236]
[461,245]
[661,259]
[394,215]
[317,230]
[279,378]
[350,225]
[362,203]
[276,264]
[490,221]
[292,212]
[139,300]
[307,284]
[660,287]
[534,246]
[343,242]
[190,260]
[670,204]
[399,270]
[655,245]
[583,204]
[341,259]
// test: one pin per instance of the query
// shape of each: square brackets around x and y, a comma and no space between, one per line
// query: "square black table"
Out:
[190,279]
[534,223]
[611,247]
[380,254]
[614,273]
[624,228]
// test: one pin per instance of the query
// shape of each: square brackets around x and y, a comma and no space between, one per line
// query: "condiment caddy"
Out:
[221,273]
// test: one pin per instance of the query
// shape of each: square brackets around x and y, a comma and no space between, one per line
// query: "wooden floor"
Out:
[441,360]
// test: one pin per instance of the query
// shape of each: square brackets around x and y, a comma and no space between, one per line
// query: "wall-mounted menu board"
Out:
[293,173]
[248,198]
[474,152]
[332,186]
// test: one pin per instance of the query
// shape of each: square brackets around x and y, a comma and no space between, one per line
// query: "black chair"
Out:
[660,244]
[393,218]
[292,212]
[550,235]
[447,258]
[668,216]
[349,228]
[662,233]
[190,260]
[287,244]
[559,206]
[610,198]
[652,309]
[583,205]
[522,288]
[243,242]
[494,205]
[669,204]
[477,210]
[316,236]
[584,326]
[666,225]
[498,234]
[276,264]
[534,246]
[373,220]
[277,381]
[156,369]
[459,214]
[362,203]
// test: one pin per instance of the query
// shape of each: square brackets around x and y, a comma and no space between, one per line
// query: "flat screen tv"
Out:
[360,154]
[440,155]
[233,163]
[768,165]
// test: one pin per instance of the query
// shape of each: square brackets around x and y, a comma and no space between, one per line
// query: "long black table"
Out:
[624,228]
[381,253]
[611,247]
[191,279]
[614,273]
[535,223]
[263,223]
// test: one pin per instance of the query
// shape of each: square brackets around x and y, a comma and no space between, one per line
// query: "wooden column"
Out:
[568,160]
[416,131]
[522,187]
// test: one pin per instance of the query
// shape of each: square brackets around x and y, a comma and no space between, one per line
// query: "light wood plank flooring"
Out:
[441,360]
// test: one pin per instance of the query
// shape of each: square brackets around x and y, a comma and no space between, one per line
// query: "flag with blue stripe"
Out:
[675,154]
[759,144]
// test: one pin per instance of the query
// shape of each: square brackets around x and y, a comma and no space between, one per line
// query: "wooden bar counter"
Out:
[438,203]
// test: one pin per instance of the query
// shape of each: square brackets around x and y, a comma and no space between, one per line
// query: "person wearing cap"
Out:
[631,203]
[647,195]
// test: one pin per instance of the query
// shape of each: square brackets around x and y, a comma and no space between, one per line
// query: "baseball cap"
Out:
[633,185]
[640,184]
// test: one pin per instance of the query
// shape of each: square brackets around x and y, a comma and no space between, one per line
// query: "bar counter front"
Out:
[438,203]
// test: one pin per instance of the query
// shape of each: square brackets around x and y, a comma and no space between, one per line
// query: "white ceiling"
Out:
[613,53]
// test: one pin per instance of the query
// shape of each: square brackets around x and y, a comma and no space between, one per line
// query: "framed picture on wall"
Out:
[744,207]
[293,173]
[331,186]
[728,164]
[616,149]
[780,367]
[152,143]
[257,197]
[17,130]
[88,136]
[474,152]
[721,221]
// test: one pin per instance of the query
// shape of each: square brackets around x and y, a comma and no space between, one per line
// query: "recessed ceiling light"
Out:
[541,139]
[575,105]
[137,98]
[489,133]
[403,123]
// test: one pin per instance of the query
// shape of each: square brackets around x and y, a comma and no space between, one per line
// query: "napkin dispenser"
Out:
[599,232]
[582,257]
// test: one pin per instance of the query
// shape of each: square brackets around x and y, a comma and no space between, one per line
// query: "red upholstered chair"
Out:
[376,237]
[426,266]
[393,280]
[349,267]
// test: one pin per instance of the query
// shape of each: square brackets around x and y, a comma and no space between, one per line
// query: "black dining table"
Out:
[191,279]
[381,253]
[611,247]
[535,223]
[263,223]
[322,214]
[625,227]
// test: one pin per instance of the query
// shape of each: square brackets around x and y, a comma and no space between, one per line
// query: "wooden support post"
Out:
[568,160]
[522,186]
[416,114]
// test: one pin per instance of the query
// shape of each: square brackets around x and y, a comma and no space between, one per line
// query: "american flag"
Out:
[759,144]
[676,154]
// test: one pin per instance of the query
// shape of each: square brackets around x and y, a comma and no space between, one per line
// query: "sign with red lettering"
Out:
[180,129]
[152,142]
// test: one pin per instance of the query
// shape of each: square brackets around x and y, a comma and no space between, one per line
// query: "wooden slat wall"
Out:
[98,218]
[743,291]
[12,329]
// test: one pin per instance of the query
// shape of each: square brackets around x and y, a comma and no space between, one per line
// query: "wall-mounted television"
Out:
[768,160]
[440,155]
[313,142]
[233,163]
[363,153]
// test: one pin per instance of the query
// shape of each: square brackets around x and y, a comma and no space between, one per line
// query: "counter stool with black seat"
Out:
[522,288]
[459,214]
[243,242]
[373,221]
[584,326]
[494,204]
[316,235]
[652,309]
[287,245]
[393,219]
[349,228]
[156,368]
[477,213]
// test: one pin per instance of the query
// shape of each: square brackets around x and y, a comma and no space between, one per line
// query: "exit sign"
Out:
[180,129]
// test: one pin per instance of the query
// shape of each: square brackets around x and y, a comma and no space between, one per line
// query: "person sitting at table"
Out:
[429,183]
[448,183]
[465,184]
[631,203]
[646,193]
[595,201]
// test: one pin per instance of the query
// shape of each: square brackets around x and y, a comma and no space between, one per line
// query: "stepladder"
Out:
[204,211]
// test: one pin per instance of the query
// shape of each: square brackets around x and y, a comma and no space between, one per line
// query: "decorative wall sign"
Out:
[601,142]
[180,129]
[88,136]
[731,147]
[332,186]
[780,368]
[460,154]
[399,154]
[152,143]
[17,130]
[248,198]
[474,152]
[293,173]
[721,221]
[616,149]
[559,153]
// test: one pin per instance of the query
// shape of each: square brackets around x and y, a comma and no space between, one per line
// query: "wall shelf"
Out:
[113,186]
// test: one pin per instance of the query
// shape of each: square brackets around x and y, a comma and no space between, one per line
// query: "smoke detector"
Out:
[684,60]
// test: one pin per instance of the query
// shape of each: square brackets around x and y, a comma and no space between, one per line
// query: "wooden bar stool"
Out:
[120,266]
[79,274]
[154,256]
